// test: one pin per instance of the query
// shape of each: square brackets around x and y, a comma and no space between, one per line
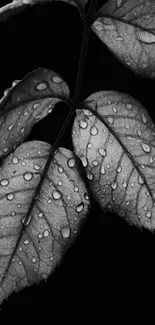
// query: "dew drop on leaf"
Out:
[34,260]
[37,167]
[119,169]
[4,182]
[90,176]
[10,196]
[59,183]
[79,207]
[89,145]
[86,196]
[102,152]
[71,162]
[41,86]
[46,233]
[56,195]
[144,118]
[140,180]
[93,130]
[129,106]
[60,169]
[84,161]
[102,169]
[148,214]
[36,105]
[15,160]
[110,120]
[95,162]
[145,147]
[76,189]
[114,185]
[26,241]
[65,231]
[83,124]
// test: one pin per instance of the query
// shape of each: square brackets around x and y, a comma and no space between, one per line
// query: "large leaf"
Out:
[27,102]
[127,27]
[34,230]
[117,149]
[18,5]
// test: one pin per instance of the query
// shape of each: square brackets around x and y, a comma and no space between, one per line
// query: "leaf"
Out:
[33,238]
[26,103]
[18,5]
[117,149]
[128,29]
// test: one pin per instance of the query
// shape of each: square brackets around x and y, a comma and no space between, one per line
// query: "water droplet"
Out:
[56,195]
[93,130]
[95,162]
[37,117]
[5,149]
[127,126]
[22,130]
[84,161]
[124,184]
[87,113]
[65,231]
[37,167]
[76,189]
[102,152]
[40,236]
[140,180]
[41,86]
[10,196]
[145,147]
[114,185]
[4,182]
[20,249]
[46,233]
[80,207]
[49,201]
[13,213]
[151,160]
[34,260]
[148,214]
[36,105]
[83,124]
[40,215]
[119,169]
[86,196]
[60,169]
[139,133]
[114,110]
[25,113]
[26,241]
[59,183]
[102,169]
[15,160]
[90,176]
[10,127]
[132,184]
[144,118]
[129,106]
[110,120]
[89,145]
[27,176]
[71,162]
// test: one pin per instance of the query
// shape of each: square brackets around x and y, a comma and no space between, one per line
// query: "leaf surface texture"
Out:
[127,27]
[117,149]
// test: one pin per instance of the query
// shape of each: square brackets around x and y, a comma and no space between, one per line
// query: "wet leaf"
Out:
[128,29]
[35,228]
[18,5]
[117,149]
[27,102]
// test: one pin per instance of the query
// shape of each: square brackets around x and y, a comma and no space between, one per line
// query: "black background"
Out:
[111,264]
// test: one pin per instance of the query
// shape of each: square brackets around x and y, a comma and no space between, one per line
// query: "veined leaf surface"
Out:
[34,230]
[127,27]
[26,103]
[117,149]
[17,5]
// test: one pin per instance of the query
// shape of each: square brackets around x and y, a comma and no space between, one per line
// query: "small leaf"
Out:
[27,102]
[128,29]
[117,149]
[18,5]
[32,238]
